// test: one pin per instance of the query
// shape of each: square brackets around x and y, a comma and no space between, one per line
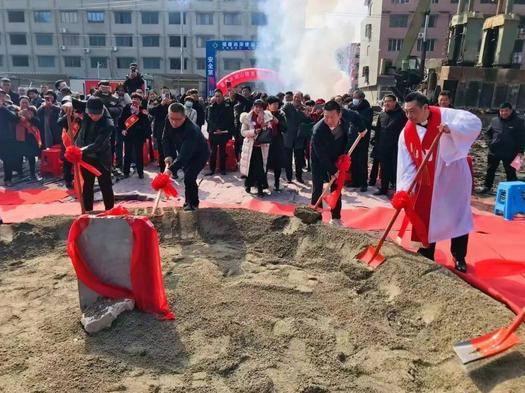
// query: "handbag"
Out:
[264,137]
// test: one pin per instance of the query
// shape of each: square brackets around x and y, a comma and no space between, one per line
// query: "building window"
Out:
[97,40]
[42,16]
[95,16]
[72,39]
[431,43]
[432,20]
[150,18]
[200,63]
[122,17]
[20,61]
[368,31]
[72,61]
[400,1]
[16,17]
[232,64]
[99,62]
[124,40]
[175,63]
[18,39]
[200,40]
[232,18]
[44,39]
[232,37]
[152,63]
[174,18]
[150,41]
[395,44]
[366,73]
[204,18]
[259,19]
[46,61]
[69,16]
[398,21]
[176,39]
[124,62]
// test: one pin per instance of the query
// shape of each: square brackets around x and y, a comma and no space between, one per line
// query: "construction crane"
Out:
[407,70]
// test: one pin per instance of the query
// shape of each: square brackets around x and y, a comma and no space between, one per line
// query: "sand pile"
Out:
[264,304]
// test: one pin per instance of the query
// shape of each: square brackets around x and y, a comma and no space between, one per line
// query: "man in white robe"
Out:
[443,193]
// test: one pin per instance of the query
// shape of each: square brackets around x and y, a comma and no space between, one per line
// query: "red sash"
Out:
[130,122]
[66,139]
[422,196]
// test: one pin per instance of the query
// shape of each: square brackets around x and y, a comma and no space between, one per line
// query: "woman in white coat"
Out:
[254,155]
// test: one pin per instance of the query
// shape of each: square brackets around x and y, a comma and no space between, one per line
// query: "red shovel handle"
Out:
[520,318]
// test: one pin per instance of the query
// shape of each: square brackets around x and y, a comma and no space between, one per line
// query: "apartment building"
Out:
[99,39]
[384,29]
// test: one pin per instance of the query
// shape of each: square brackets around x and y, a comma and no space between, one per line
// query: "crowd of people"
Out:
[270,133]
[287,131]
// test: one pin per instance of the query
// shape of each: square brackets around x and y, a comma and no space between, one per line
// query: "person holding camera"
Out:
[134,80]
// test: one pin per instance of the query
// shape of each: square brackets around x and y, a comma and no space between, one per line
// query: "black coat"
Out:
[158,114]
[506,138]
[140,130]
[187,143]
[133,84]
[220,117]
[241,105]
[326,149]
[294,139]
[56,129]
[276,156]
[95,136]
[367,115]
[387,130]
[201,113]
[8,119]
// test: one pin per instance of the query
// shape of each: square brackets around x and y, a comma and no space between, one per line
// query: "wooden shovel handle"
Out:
[76,169]
[329,185]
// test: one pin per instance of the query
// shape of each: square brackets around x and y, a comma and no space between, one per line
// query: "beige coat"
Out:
[248,132]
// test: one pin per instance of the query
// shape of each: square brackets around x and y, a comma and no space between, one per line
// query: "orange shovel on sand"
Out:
[490,344]
[371,255]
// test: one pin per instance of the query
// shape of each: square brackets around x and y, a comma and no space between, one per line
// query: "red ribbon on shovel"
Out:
[162,182]
[74,155]
[403,201]
[343,165]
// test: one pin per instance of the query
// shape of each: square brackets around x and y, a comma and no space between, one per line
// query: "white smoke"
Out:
[305,42]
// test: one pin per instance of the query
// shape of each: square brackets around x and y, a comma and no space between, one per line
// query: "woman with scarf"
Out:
[254,153]
[28,135]
[276,154]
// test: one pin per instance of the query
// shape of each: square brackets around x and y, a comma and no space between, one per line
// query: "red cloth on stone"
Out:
[145,268]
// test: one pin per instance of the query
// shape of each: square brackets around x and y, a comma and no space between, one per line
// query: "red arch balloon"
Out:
[246,75]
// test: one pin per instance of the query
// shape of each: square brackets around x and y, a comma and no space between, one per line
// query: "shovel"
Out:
[371,255]
[490,344]
[300,211]
[76,170]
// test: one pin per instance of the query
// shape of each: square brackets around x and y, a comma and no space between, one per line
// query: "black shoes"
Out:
[363,189]
[460,265]
[248,190]
[189,208]
[141,175]
[380,192]
[260,193]
[210,173]
[69,185]
[300,180]
[223,173]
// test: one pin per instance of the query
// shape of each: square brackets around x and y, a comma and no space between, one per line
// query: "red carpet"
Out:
[496,258]
[32,196]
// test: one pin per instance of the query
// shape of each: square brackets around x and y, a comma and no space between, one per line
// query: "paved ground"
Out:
[230,189]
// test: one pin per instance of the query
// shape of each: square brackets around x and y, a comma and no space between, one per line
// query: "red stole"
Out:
[66,139]
[422,195]
[258,126]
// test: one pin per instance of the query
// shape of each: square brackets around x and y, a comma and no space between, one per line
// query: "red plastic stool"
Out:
[50,162]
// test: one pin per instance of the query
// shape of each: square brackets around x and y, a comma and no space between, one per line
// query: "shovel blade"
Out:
[371,257]
[485,346]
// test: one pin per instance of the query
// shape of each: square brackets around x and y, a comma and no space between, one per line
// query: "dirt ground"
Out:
[263,304]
